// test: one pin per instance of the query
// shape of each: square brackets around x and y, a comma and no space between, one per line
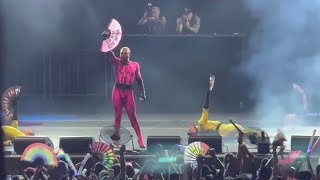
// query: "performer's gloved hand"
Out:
[143,96]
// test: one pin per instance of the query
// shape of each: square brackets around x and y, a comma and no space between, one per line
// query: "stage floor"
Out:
[55,126]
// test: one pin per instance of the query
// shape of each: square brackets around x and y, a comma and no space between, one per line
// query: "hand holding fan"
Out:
[61,154]
[103,153]
[113,36]
[40,151]
[8,102]
[193,150]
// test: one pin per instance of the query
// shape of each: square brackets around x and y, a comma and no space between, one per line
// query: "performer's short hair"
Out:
[125,48]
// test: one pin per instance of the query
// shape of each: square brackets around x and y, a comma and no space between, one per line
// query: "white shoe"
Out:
[211,81]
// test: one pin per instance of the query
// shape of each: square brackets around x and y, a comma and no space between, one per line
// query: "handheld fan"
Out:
[290,158]
[107,132]
[193,150]
[40,151]
[302,93]
[61,154]
[113,36]
[8,102]
[103,153]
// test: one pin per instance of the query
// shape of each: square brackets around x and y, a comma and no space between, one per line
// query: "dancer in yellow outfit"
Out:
[205,125]
[10,132]
[9,108]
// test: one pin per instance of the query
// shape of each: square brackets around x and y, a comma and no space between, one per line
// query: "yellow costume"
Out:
[208,125]
[223,129]
[10,132]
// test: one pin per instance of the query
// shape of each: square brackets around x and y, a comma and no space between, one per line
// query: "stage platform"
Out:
[55,126]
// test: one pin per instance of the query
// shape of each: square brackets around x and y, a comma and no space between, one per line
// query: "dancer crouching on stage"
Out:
[126,72]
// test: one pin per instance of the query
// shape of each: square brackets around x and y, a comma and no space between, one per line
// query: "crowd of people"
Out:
[240,165]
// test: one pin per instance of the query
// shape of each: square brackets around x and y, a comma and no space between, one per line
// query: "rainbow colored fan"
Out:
[193,150]
[40,151]
[8,102]
[103,153]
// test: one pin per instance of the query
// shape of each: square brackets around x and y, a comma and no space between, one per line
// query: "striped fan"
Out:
[8,102]
[193,150]
[103,153]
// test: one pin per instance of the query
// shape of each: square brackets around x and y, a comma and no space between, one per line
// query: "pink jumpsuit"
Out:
[123,97]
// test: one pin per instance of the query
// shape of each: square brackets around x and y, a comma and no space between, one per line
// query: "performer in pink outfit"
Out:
[126,72]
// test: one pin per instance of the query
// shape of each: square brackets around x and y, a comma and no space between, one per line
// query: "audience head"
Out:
[187,14]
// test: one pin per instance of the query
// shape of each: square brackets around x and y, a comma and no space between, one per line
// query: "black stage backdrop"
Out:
[52,50]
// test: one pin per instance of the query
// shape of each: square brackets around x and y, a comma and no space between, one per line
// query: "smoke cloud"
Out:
[284,49]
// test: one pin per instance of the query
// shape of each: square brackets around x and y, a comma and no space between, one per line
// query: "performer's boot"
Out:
[211,82]
[136,128]
[116,136]
[141,143]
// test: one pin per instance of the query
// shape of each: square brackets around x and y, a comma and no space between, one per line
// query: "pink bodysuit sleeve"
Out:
[112,58]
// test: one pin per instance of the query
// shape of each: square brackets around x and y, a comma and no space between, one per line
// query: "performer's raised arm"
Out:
[112,58]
